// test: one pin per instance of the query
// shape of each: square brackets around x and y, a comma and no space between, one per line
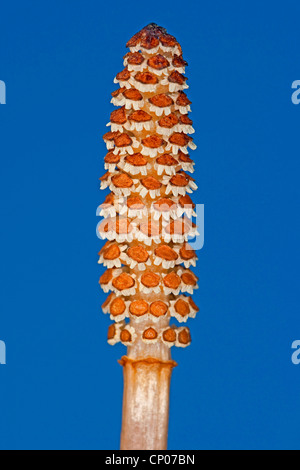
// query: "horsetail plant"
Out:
[147,222]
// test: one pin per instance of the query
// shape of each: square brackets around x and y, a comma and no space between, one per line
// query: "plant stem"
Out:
[145,403]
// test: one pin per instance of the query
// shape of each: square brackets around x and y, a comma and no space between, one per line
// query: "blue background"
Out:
[235,387]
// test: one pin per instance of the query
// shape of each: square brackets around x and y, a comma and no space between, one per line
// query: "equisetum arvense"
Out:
[147,222]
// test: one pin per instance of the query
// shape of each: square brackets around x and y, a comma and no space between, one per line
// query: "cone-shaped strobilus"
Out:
[147,222]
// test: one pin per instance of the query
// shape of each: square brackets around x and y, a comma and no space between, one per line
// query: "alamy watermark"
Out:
[296,94]
[2,92]
[2,343]
[163,222]
[2,352]
[296,353]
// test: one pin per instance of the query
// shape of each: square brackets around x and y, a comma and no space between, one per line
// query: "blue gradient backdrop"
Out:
[235,387]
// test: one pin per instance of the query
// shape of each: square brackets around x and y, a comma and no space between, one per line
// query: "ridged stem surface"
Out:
[145,404]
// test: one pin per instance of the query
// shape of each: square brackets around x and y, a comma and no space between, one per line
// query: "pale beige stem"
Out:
[145,404]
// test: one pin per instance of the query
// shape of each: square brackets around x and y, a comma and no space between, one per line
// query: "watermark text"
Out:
[2,352]
[296,353]
[163,222]
[296,94]
[2,92]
